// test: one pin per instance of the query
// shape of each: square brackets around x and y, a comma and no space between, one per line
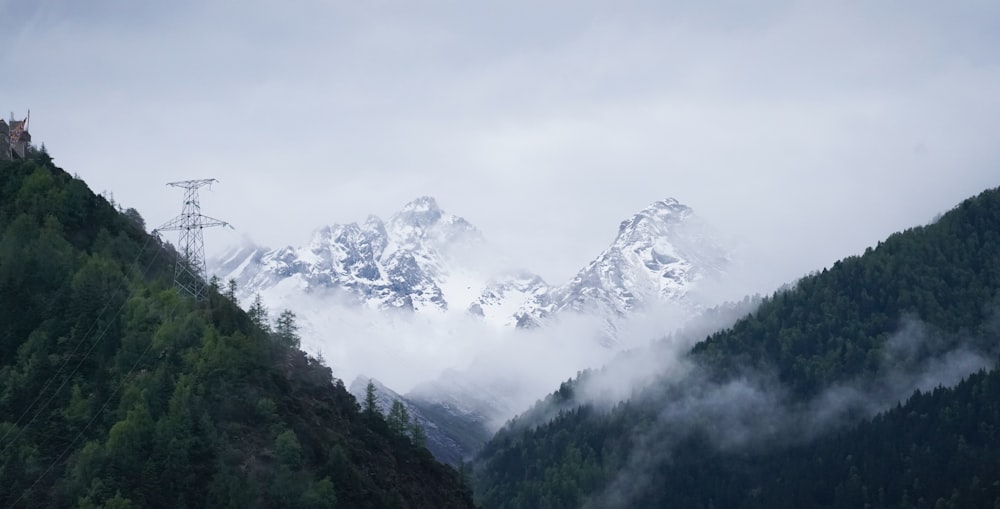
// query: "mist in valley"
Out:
[753,412]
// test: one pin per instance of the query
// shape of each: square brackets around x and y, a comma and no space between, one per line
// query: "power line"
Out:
[100,338]
[69,357]
[189,272]
[89,423]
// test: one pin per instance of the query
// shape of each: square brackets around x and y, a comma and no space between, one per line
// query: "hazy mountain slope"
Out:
[939,449]
[419,290]
[421,259]
[424,259]
[917,310]
[659,255]
[116,391]
[451,437]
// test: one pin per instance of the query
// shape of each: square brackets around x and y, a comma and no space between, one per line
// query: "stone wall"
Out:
[4,141]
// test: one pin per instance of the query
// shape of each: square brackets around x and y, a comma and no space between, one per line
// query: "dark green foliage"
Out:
[230,293]
[940,449]
[828,326]
[418,435]
[116,391]
[286,331]
[371,403]
[830,329]
[258,314]
[398,419]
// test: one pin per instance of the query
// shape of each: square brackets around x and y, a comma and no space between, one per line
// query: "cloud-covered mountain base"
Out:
[423,304]
[755,414]
[116,390]
[771,395]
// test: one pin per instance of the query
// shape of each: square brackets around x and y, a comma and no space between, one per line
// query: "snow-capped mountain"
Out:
[425,260]
[503,296]
[659,254]
[414,301]
[421,259]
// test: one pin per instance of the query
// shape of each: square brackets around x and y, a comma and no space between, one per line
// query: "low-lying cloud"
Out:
[755,411]
[405,350]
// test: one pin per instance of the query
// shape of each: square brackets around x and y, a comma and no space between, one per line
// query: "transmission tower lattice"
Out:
[189,273]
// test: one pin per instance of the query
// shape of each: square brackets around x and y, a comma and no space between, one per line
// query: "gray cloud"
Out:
[810,130]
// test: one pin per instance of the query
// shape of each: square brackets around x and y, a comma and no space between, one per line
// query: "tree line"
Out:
[833,328]
[117,391]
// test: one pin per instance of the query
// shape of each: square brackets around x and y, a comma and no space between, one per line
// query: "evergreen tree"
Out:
[321,495]
[398,419]
[136,218]
[286,331]
[831,330]
[370,407]
[231,287]
[418,435]
[117,391]
[258,314]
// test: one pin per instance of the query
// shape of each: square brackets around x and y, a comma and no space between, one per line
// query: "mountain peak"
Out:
[664,211]
[420,214]
[659,254]
[422,204]
[669,206]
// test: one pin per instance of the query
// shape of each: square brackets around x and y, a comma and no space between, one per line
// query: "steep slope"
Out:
[447,438]
[421,259]
[939,449]
[116,391]
[506,295]
[421,278]
[659,255]
[918,310]
[424,259]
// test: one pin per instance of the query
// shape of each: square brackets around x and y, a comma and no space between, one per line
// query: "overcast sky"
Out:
[808,129]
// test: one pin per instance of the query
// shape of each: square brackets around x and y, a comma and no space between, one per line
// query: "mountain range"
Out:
[425,260]
[410,286]
[869,383]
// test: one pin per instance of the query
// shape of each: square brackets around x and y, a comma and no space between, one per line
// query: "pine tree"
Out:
[371,401]
[170,404]
[286,331]
[399,419]
[258,314]
[231,291]
[418,435]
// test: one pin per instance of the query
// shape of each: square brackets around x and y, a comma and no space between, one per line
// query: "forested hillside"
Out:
[779,410]
[117,391]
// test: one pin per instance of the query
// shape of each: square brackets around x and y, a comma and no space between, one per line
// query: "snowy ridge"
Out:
[440,440]
[503,296]
[659,254]
[428,261]
[415,302]
[421,259]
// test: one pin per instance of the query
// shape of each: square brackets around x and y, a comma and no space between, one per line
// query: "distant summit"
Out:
[407,262]
[659,254]
[423,264]
[426,260]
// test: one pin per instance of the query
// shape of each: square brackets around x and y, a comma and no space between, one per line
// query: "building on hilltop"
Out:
[14,138]
[4,140]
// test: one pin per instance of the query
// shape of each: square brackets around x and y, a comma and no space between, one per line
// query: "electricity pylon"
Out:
[189,273]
